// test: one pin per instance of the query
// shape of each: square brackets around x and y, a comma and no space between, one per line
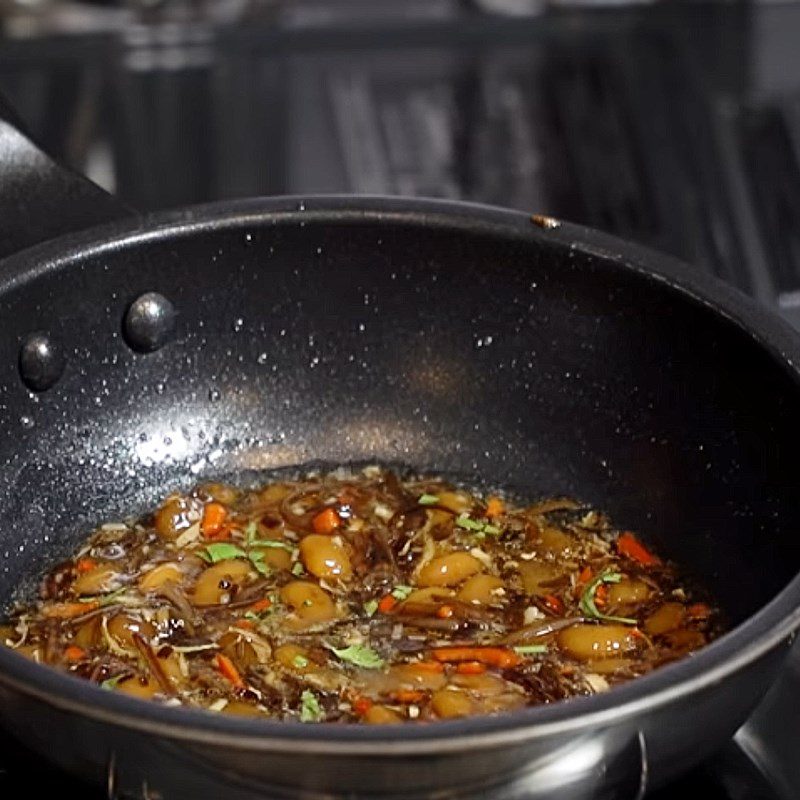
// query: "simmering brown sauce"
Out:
[360,597]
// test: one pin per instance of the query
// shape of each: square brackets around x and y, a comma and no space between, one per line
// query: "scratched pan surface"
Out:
[449,338]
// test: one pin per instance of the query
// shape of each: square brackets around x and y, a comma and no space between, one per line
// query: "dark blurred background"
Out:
[674,124]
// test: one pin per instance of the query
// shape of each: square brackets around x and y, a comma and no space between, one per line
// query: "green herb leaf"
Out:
[480,529]
[297,568]
[257,560]
[469,524]
[401,592]
[111,683]
[276,543]
[300,661]
[359,655]
[310,709]
[428,500]
[221,551]
[371,606]
[588,605]
[530,649]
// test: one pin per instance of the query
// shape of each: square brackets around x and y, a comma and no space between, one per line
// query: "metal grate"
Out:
[769,139]
[605,178]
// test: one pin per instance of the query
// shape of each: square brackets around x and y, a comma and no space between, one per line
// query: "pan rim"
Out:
[770,627]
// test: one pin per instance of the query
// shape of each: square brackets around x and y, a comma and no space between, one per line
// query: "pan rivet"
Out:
[41,361]
[149,322]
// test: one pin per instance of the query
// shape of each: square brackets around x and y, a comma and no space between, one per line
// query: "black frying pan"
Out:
[458,339]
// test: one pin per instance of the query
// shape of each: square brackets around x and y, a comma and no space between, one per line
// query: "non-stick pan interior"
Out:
[497,353]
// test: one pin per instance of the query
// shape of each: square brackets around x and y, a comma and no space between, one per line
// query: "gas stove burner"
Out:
[731,775]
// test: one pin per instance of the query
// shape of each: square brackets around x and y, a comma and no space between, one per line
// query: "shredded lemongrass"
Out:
[383,512]
[483,557]
[190,535]
[194,648]
[22,629]
[532,613]
[597,683]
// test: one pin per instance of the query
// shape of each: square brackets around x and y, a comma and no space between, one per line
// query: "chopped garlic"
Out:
[413,712]
[354,636]
[484,558]
[191,534]
[261,646]
[218,705]
[591,520]
[597,683]
[531,615]
[601,543]
[329,587]
[22,629]
[383,512]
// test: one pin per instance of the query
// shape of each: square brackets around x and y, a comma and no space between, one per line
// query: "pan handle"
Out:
[39,198]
